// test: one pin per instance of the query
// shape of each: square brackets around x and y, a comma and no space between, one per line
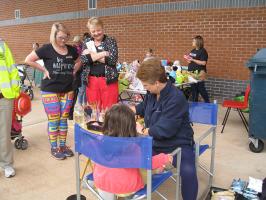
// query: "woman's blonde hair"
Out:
[56,27]
[95,21]
[77,39]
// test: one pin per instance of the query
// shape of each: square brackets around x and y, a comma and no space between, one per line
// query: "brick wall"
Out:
[232,35]
[37,7]
[221,89]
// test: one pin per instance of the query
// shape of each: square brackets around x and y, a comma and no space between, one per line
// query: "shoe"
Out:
[9,171]
[57,154]
[66,151]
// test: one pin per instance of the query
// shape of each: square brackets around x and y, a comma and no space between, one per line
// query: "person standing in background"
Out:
[35,46]
[9,90]
[78,88]
[100,56]
[197,60]
[149,54]
[61,62]
[86,35]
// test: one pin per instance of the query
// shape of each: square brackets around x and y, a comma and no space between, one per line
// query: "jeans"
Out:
[188,173]
[82,95]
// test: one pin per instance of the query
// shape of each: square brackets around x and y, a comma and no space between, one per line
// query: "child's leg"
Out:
[106,195]
[52,108]
[66,101]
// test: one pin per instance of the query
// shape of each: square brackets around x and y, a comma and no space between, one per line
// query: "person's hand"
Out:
[74,73]
[86,52]
[105,53]
[46,74]
[145,131]
[188,58]
[170,156]
[139,127]
[169,165]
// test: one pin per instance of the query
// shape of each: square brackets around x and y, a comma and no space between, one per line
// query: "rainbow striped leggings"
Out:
[57,106]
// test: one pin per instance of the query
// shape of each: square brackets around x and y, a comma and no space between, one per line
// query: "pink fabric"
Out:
[78,48]
[123,181]
[99,92]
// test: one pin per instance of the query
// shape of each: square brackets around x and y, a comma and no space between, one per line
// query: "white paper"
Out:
[191,79]
[255,184]
[90,45]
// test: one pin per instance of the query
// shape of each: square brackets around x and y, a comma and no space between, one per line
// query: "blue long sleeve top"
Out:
[167,119]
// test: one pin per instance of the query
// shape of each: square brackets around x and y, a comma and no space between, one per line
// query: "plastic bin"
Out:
[257,108]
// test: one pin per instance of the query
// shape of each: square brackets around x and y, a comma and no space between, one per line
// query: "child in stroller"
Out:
[23,76]
[22,106]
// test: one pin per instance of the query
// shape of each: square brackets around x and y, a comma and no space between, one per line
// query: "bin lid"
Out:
[258,59]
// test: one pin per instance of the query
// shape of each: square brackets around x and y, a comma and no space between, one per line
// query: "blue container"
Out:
[257,114]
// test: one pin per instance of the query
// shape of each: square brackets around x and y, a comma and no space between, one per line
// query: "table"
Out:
[131,92]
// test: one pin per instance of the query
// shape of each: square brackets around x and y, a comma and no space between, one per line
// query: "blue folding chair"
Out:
[117,152]
[205,113]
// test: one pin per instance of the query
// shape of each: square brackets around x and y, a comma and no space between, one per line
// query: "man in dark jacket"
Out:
[166,116]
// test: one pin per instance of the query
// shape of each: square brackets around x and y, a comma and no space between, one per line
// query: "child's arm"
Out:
[161,160]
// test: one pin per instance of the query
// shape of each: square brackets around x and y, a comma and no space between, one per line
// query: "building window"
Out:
[92,4]
[17,14]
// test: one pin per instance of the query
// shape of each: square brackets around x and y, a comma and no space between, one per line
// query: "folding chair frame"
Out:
[210,171]
[149,179]
[210,132]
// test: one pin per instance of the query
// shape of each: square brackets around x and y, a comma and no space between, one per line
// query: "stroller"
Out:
[22,106]
[22,71]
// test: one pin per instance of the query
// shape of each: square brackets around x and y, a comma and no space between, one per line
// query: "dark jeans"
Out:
[199,88]
[189,180]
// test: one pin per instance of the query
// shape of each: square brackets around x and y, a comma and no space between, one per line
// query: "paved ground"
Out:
[39,176]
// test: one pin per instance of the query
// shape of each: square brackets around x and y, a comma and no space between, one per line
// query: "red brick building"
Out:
[233,30]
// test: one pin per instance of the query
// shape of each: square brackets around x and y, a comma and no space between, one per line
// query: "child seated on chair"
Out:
[120,122]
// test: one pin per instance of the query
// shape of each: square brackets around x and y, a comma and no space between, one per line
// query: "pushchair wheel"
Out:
[24,144]
[258,149]
[31,94]
[21,143]
[18,143]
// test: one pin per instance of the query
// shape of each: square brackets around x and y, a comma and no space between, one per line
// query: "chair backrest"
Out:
[204,113]
[114,152]
[246,95]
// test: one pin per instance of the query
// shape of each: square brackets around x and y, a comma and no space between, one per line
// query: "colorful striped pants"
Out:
[57,106]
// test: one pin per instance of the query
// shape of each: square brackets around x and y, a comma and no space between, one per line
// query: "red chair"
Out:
[238,105]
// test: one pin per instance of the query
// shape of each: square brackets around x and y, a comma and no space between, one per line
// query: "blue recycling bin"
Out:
[257,108]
